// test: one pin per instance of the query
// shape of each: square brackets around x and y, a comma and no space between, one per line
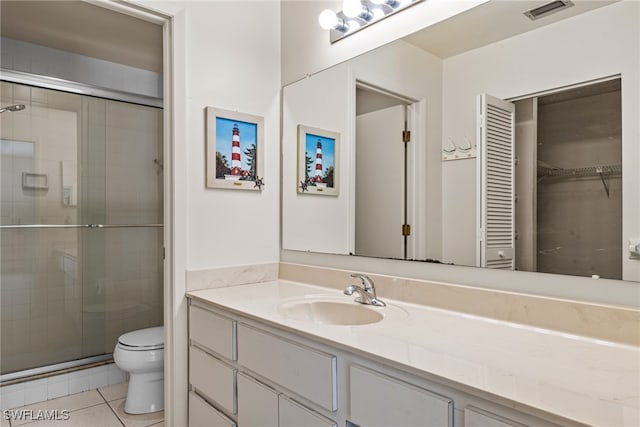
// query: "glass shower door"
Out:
[81,216]
[40,293]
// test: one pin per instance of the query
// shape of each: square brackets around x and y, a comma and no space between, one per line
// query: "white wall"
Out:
[596,44]
[306,48]
[327,100]
[231,60]
[226,54]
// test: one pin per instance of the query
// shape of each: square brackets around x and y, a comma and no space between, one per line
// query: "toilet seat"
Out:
[143,339]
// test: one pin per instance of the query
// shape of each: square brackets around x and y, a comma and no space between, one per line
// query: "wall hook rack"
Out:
[453,151]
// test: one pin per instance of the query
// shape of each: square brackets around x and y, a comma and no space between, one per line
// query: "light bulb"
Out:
[353,25]
[378,13]
[378,1]
[352,8]
[328,19]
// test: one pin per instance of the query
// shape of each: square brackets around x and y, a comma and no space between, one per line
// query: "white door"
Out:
[495,163]
[526,139]
[380,178]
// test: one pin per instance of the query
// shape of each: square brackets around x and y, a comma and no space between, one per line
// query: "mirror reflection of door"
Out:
[569,150]
[381,174]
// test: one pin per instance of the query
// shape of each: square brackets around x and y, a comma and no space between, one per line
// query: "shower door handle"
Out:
[21,226]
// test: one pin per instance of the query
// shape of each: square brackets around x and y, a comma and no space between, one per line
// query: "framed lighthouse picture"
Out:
[317,161]
[234,150]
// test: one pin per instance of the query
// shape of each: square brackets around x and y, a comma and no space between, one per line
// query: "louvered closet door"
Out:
[496,230]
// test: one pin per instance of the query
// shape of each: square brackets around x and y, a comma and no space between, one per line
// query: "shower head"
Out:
[12,108]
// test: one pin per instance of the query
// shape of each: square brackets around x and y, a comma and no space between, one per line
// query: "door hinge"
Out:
[164,253]
[406,136]
[406,230]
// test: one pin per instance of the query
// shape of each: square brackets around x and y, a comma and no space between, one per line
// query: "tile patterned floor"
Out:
[94,408]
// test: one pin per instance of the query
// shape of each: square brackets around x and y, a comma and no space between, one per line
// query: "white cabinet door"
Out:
[293,414]
[214,332]
[307,372]
[380,400]
[213,378]
[201,414]
[475,417]
[257,403]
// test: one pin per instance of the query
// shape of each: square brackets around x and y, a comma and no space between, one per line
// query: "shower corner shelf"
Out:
[35,181]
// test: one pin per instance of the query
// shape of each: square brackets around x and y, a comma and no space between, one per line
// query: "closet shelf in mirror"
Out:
[591,171]
[553,172]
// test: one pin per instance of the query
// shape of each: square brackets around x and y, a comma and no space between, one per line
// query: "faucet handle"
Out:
[367,293]
[367,283]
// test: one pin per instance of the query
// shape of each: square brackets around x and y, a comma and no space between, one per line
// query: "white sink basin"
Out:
[329,310]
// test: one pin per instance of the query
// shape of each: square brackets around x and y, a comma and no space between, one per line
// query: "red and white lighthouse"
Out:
[236,163]
[318,173]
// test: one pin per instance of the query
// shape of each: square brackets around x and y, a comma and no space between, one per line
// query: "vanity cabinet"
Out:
[381,400]
[253,374]
[213,378]
[293,414]
[239,373]
[305,371]
[257,403]
[475,417]
[201,414]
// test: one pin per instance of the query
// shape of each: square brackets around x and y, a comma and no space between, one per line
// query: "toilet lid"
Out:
[149,338]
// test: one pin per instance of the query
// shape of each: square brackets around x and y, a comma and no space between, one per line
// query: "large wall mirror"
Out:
[487,140]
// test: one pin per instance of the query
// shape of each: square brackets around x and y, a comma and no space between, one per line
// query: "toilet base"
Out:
[145,394]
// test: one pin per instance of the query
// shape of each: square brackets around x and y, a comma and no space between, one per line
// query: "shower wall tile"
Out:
[36,391]
[116,375]
[57,386]
[26,393]
[78,381]
[98,377]
[12,396]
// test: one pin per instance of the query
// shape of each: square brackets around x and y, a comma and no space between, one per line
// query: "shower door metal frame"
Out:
[53,83]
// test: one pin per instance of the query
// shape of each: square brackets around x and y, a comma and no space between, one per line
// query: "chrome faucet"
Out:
[366,292]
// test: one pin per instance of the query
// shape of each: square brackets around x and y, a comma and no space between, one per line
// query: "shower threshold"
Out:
[56,369]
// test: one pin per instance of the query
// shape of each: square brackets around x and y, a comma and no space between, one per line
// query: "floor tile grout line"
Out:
[116,414]
[102,395]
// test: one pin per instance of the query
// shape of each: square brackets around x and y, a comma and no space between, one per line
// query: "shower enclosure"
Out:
[81,237]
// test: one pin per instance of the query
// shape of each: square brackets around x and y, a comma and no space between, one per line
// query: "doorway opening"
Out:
[568,181]
[383,163]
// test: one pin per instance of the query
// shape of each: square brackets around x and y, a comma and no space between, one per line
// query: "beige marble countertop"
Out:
[584,379]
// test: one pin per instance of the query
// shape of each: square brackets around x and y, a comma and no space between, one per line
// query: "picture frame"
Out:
[234,150]
[317,161]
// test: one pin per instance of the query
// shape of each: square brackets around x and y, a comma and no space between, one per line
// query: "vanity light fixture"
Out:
[358,14]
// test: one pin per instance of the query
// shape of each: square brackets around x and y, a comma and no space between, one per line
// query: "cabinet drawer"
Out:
[213,378]
[212,331]
[475,417]
[293,414]
[201,414]
[380,400]
[303,370]
[257,403]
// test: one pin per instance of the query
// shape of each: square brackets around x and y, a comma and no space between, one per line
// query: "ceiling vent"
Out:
[548,9]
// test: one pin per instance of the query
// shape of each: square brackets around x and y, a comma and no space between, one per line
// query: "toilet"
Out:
[140,353]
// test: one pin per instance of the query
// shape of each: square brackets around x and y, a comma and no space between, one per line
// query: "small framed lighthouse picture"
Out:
[234,150]
[317,161]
